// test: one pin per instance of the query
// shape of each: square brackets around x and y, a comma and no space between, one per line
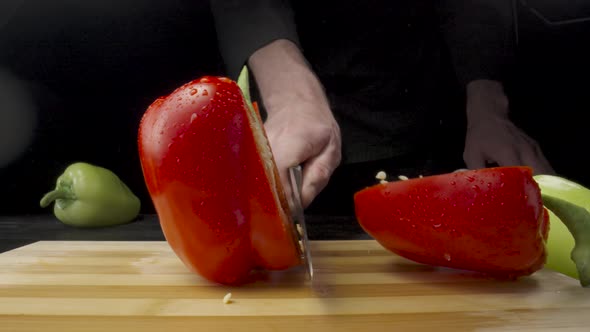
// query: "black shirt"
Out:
[383,63]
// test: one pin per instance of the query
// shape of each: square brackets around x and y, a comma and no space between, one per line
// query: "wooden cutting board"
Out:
[358,286]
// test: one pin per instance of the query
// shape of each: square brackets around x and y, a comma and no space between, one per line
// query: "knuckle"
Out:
[323,172]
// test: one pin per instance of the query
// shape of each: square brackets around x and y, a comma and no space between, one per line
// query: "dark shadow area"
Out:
[92,69]
[16,231]
[549,94]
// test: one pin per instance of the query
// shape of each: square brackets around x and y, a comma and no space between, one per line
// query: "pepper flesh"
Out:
[488,220]
[213,181]
[87,195]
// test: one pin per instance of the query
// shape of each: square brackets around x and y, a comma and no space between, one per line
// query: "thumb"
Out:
[473,159]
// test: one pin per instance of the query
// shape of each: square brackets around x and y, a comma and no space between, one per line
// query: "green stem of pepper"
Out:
[244,84]
[577,220]
[54,195]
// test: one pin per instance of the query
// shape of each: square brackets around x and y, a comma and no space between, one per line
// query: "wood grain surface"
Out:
[358,286]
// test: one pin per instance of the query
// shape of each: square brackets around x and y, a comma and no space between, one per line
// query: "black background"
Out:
[94,69]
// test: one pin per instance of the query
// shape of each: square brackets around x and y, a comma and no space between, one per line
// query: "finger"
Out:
[295,148]
[473,159]
[316,177]
[279,148]
[506,157]
[318,170]
[539,164]
[533,156]
[301,150]
[296,152]
[282,171]
[544,165]
[286,184]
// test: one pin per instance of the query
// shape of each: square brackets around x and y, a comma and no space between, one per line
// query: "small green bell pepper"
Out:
[91,196]
[569,204]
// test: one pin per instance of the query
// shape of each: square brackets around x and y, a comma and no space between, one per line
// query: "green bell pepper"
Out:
[569,206]
[91,196]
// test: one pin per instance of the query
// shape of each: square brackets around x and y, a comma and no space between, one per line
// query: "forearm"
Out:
[300,126]
[490,92]
[244,26]
[283,75]
[480,37]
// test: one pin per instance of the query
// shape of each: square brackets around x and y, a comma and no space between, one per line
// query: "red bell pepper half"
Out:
[212,178]
[489,220]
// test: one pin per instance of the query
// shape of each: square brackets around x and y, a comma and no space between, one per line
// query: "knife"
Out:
[296,181]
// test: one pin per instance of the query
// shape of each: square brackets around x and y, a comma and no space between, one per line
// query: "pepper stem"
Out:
[53,195]
[577,221]
[244,84]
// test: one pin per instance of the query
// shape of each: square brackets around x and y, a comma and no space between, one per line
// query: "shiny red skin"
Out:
[208,184]
[489,220]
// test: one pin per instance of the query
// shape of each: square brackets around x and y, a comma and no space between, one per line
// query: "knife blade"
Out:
[296,182]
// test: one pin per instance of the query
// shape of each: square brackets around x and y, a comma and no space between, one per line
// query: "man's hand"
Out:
[492,137]
[300,125]
[305,133]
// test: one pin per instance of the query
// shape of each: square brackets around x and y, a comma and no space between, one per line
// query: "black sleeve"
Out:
[480,36]
[244,26]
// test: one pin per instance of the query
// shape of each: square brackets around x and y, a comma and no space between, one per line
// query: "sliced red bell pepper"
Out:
[214,184]
[489,220]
